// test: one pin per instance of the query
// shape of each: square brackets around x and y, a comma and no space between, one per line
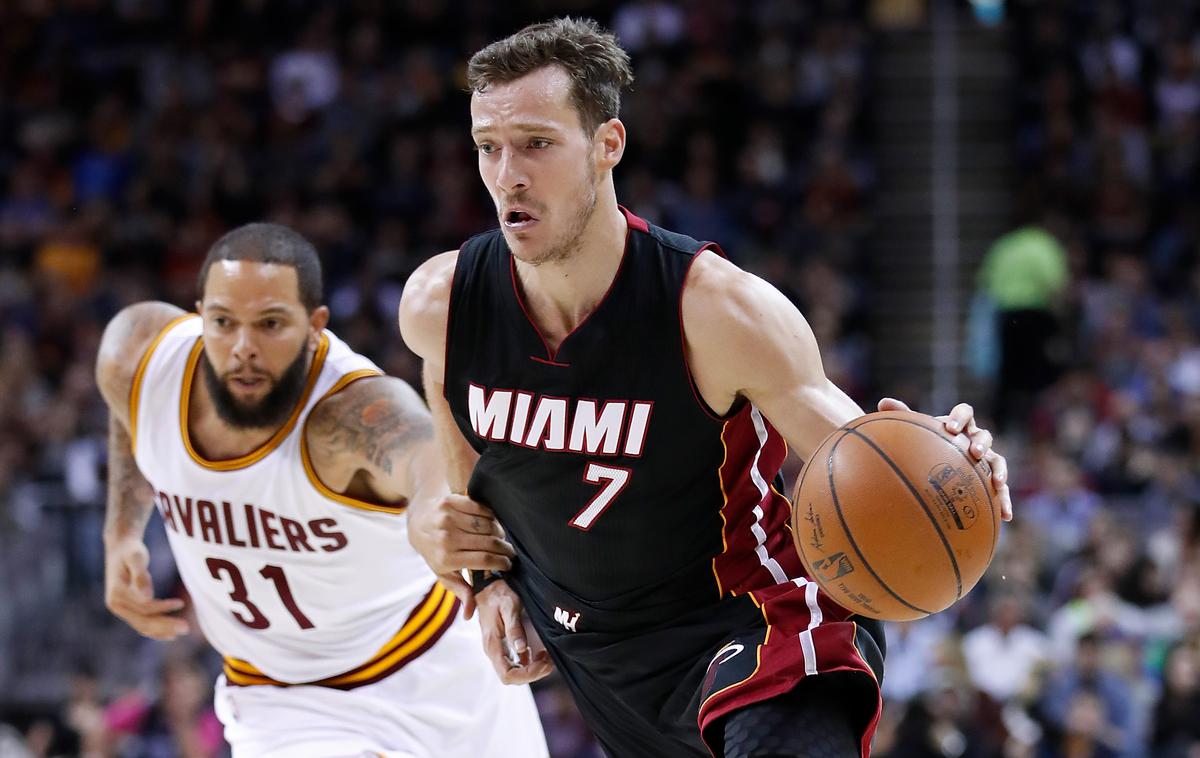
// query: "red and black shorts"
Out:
[668,689]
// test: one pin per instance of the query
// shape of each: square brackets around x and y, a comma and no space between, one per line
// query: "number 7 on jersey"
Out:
[613,479]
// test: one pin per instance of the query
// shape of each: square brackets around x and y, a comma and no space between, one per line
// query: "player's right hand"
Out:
[515,651]
[457,533]
[129,593]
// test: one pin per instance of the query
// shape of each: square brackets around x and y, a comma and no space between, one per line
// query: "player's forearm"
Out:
[427,474]
[459,457]
[130,497]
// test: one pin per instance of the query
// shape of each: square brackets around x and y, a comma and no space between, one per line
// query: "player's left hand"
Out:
[961,420]
[511,645]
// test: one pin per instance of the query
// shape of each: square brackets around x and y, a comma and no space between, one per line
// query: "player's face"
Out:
[257,341]
[537,163]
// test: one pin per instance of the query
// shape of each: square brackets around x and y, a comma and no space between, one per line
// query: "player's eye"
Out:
[272,324]
[221,322]
[486,148]
[539,143]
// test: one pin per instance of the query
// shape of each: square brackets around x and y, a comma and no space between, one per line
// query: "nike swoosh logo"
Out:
[727,653]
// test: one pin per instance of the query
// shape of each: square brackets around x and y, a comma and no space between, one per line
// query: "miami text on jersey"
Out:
[560,424]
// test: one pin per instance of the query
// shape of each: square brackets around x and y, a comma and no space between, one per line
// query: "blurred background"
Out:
[988,201]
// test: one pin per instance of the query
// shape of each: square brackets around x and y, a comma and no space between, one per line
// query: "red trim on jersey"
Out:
[556,364]
[687,369]
[551,355]
[781,667]
[739,567]
[634,222]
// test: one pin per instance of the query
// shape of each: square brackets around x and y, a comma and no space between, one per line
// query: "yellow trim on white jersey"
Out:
[230,464]
[311,471]
[135,390]
[424,626]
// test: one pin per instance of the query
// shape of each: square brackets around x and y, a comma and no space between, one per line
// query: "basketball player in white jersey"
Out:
[281,463]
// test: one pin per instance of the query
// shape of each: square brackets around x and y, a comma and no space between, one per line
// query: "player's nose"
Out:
[511,176]
[244,348]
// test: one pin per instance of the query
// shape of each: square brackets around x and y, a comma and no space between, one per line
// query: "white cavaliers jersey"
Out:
[291,582]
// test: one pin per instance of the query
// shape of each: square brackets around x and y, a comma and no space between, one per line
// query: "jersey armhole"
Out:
[687,368]
[450,323]
[135,388]
[306,458]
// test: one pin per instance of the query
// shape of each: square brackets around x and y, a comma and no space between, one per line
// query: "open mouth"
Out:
[518,220]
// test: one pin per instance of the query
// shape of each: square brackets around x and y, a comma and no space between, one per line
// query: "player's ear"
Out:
[317,321]
[610,143]
[199,305]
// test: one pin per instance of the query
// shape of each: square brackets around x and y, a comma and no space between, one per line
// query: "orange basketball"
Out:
[893,519]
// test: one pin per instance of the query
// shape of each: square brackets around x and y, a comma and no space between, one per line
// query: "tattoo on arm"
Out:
[379,427]
[130,497]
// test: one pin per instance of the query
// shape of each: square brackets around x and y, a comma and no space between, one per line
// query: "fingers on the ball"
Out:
[981,443]
[999,468]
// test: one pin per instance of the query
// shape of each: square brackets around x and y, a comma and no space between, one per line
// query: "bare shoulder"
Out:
[739,331]
[367,425]
[126,338]
[425,306]
[726,302]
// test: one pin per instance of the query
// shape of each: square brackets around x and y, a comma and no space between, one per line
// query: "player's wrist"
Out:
[119,537]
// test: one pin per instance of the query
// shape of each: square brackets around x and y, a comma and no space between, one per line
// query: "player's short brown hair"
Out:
[597,64]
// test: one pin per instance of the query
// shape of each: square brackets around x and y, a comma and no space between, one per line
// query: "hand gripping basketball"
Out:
[894,518]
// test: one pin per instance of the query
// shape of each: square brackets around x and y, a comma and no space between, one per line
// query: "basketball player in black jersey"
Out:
[619,397]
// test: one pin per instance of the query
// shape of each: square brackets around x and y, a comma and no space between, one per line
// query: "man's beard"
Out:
[562,248]
[272,410]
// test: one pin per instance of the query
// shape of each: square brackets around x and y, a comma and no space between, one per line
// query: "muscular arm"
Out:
[746,340]
[459,533]
[130,496]
[373,440]
[424,311]
[125,341]
[127,586]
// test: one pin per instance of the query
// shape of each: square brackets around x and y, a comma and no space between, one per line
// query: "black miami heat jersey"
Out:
[608,471]
[649,531]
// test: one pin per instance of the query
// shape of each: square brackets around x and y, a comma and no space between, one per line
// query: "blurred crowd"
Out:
[134,132]
[1084,637]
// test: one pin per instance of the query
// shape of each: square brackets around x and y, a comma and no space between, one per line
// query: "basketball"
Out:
[893,519]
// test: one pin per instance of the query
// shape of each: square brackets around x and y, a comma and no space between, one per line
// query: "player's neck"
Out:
[561,295]
[214,438]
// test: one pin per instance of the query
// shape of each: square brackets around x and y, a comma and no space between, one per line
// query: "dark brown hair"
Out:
[598,66]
